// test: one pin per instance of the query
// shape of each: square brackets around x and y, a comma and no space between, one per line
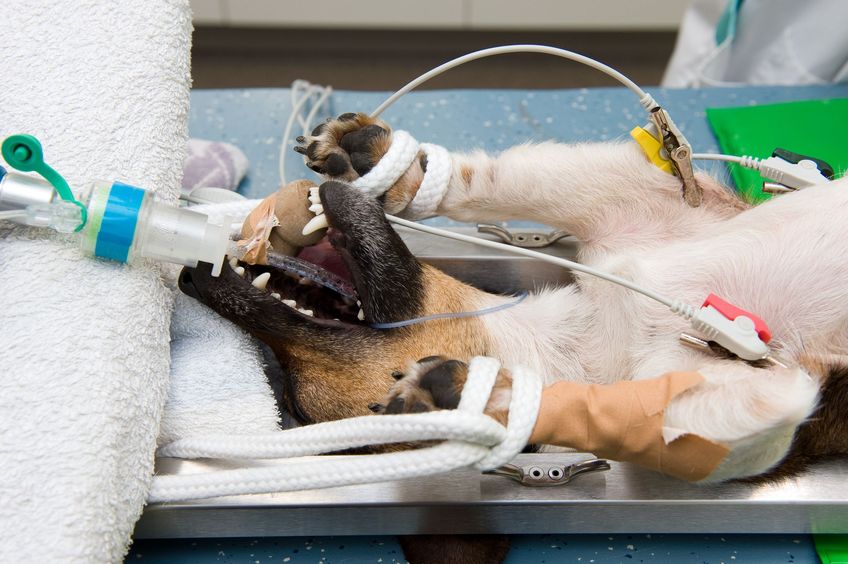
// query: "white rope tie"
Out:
[472,439]
[435,183]
[391,166]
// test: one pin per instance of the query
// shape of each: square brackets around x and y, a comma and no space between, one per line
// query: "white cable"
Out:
[803,174]
[719,157]
[316,107]
[473,439]
[645,99]
[534,254]
[307,91]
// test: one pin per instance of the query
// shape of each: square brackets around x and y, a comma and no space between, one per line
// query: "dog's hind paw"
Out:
[435,383]
[347,147]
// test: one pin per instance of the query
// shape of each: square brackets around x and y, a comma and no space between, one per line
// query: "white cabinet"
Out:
[445,14]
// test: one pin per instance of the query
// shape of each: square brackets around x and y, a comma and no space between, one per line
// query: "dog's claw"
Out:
[300,139]
[300,149]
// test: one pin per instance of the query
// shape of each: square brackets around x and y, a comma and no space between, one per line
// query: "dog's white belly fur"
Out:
[783,261]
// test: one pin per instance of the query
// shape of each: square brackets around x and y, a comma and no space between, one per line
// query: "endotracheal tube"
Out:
[113,220]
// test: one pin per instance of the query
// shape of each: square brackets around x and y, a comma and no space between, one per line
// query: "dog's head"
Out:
[334,362]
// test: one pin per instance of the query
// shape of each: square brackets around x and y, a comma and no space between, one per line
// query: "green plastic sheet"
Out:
[816,128]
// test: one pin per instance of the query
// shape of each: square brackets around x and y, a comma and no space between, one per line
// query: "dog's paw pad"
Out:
[346,147]
[430,384]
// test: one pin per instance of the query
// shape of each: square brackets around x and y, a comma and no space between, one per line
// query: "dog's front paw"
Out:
[347,147]
[435,383]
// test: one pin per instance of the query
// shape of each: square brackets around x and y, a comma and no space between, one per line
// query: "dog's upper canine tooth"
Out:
[317,209]
[316,223]
[261,281]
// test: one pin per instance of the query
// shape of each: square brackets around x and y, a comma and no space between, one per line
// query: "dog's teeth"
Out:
[290,303]
[313,191]
[317,209]
[275,295]
[361,315]
[233,263]
[316,223]
[261,281]
[359,303]
[305,282]
[315,200]
[240,270]
[307,312]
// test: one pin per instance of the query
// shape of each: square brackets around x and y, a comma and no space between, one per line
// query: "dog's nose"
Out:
[186,283]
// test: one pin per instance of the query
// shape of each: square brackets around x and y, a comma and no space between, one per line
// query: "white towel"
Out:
[218,382]
[85,343]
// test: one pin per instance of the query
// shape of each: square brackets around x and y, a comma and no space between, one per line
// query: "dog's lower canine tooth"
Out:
[240,270]
[261,281]
[316,223]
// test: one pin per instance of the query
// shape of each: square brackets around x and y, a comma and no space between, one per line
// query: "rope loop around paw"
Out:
[471,439]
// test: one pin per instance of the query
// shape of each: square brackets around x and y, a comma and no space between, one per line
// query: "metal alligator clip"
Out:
[527,240]
[679,153]
[537,476]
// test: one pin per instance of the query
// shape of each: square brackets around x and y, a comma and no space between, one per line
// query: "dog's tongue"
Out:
[324,255]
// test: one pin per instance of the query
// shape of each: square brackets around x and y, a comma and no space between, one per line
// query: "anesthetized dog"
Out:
[786,260]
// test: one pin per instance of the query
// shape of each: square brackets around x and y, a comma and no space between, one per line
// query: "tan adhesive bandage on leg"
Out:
[624,421]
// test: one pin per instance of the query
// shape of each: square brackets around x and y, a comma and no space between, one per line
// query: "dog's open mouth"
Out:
[361,273]
[316,283]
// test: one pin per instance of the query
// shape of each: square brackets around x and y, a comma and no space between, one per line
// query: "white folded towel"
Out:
[218,382]
[85,343]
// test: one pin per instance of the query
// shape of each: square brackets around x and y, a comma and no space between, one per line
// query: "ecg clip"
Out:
[679,153]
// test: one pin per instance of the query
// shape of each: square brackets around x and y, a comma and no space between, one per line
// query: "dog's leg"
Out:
[595,191]
[754,412]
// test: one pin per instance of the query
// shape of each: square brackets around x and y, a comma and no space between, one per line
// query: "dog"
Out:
[786,260]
